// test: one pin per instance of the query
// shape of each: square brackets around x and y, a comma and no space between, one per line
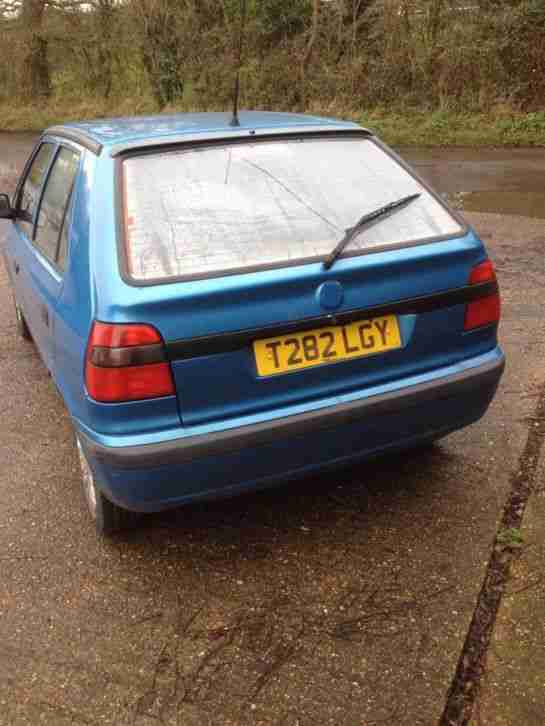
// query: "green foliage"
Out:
[432,70]
[510,537]
[279,20]
[442,128]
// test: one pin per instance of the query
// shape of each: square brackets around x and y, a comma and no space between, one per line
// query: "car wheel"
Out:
[107,516]
[22,327]
[426,447]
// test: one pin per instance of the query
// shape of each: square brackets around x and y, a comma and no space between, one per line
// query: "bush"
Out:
[438,55]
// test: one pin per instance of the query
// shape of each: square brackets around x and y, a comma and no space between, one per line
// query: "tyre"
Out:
[107,516]
[426,447]
[22,327]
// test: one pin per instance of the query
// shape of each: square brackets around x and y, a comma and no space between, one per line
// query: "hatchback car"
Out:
[223,307]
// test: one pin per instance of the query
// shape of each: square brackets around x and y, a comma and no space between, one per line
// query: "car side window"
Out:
[54,204]
[30,192]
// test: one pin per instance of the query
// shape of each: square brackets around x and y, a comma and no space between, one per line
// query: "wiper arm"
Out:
[366,221]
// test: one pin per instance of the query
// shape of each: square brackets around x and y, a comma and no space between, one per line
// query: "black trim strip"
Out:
[216,443]
[228,342]
[80,137]
[137,355]
[245,135]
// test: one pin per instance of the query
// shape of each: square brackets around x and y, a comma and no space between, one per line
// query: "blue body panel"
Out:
[143,128]
[217,392]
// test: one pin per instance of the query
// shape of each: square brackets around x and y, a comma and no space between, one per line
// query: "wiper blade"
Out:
[366,221]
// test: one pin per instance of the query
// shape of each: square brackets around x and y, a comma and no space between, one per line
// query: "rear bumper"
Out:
[156,475]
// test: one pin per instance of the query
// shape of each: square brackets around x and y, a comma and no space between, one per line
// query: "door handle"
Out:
[16,267]
[44,312]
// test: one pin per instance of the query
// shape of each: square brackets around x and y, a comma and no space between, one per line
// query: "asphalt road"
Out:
[342,600]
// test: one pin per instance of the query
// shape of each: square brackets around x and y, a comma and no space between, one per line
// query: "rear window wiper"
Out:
[366,221]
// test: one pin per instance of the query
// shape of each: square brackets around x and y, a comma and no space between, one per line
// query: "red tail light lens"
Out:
[126,363]
[483,272]
[123,336]
[485,310]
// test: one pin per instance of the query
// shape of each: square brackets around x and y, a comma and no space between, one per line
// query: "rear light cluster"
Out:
[126,363]
[485,310]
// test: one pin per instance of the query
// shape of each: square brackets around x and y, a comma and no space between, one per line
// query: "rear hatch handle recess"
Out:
[366,221]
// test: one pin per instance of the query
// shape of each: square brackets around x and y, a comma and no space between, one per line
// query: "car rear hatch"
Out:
[252,319]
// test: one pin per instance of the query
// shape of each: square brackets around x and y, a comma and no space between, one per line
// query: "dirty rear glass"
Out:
[225,209]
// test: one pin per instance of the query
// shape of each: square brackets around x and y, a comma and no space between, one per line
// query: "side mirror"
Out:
[6,210]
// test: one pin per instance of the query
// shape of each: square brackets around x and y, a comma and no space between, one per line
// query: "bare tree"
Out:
[27,16]
[161,53]
[307,55]
[35,79]
[97,42]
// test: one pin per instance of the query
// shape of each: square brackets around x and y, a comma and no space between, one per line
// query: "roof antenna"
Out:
[234,121]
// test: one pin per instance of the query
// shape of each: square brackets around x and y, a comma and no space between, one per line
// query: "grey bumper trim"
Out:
[182,450]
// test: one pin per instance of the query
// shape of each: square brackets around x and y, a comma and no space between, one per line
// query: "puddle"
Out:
[500,181]
[521,203]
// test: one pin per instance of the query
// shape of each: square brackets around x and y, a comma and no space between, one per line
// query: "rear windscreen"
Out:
[225,209]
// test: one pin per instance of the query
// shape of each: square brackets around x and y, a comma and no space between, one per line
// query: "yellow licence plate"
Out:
[287,353]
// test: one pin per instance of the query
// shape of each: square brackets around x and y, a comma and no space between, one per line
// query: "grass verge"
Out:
[500,127]
[446,128]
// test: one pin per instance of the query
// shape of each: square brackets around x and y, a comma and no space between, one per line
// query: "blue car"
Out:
[222,307]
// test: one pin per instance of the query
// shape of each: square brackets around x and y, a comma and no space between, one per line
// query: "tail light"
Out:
[485,310]
[126,363]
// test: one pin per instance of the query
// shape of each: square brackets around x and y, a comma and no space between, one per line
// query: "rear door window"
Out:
[54,205]
[30,192]
[234,208]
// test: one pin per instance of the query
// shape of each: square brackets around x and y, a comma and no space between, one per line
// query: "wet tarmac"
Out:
[504,181]
[14,149]
[342,600]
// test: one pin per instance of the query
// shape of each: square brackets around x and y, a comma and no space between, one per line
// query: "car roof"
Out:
[119,134]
